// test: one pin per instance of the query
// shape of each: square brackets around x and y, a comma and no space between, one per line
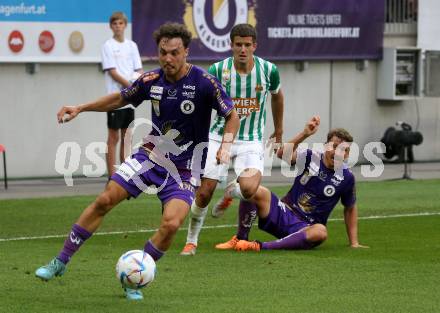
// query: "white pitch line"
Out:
[373,217]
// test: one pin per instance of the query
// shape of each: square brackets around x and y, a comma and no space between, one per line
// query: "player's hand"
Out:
[357,245]
[275,141]
[67,113]
[223,156]
[312,125]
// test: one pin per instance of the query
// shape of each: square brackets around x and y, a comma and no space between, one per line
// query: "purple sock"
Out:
[155,253]
[295,241]
[247,213]
[75,239]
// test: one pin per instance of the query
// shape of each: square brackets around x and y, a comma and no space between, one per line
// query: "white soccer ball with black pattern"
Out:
[135,269]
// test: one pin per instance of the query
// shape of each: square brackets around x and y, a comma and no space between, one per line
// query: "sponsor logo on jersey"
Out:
[189,94]
[172,93]
[220,100]
[157,97]
[329,190]
[322,175]
[149,76]
[304,202]
[187,107]
[245,106]
[156,89]
[191,87]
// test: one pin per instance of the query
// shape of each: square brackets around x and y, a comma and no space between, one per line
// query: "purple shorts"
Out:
[281,221]
[139,174]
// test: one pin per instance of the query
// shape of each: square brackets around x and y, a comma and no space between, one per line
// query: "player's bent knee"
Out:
[317,233]
[249,191]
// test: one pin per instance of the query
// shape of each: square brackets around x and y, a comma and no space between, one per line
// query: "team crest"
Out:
[329,190]
[258,88]
[226,75]
[187,107]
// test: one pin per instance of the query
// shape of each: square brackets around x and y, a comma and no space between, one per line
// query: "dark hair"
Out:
[118,16]
[243,30]
[173,30]
[341,133]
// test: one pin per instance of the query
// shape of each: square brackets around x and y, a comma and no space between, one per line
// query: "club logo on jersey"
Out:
[212,21]
[329,190]
[156,89]
[156,107]
[187,107]
[305,178]
[226,75]
[258,88]
[245,106]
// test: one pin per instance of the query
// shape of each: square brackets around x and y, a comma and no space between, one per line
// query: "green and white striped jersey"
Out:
[249,94]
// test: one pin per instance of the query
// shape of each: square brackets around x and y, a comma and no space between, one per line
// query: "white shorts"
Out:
[244,154]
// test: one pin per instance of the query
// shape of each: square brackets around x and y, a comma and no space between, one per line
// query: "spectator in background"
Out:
[122,64]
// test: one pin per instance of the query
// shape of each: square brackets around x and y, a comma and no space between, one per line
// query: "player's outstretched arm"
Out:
[107,103]
[232,123]
[310,128]
[351,225]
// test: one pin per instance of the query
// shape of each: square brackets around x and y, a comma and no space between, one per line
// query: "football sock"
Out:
[74,240]
[195,223]
[154,252]
[293,241]
[247,213]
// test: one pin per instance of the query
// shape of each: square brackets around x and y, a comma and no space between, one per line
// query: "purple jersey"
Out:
[317,190]
[185,106]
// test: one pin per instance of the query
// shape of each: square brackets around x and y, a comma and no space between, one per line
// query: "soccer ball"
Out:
[135,269]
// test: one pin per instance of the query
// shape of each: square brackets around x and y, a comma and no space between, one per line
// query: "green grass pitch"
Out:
[399,273]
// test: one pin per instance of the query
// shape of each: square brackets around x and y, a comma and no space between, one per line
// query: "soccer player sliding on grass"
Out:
[299,219]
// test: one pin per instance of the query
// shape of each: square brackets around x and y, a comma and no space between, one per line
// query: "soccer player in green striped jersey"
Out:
[248,80]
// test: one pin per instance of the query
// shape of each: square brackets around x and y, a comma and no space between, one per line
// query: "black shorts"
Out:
[120,119]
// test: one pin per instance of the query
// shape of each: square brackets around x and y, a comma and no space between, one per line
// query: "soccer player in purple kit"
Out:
[299,219]
[183,96]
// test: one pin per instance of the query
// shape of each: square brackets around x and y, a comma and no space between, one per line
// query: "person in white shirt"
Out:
[122,64]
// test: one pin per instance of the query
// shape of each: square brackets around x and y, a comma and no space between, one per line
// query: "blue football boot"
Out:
[49,271]
[133,294]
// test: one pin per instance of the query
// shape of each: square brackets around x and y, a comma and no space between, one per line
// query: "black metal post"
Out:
[4,169]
